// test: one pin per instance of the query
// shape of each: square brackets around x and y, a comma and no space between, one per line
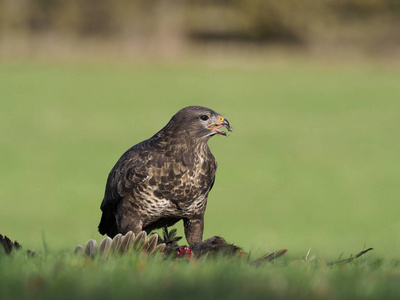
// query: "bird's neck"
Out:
[170,137]
[182,147]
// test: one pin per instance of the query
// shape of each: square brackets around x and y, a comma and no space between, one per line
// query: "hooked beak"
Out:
[222,123]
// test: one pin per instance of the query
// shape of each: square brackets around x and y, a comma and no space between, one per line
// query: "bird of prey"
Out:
[166,178]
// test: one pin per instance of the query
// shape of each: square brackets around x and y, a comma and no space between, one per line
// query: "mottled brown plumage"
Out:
[164,179]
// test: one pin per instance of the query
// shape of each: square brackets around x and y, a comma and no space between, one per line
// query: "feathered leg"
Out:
[194,230]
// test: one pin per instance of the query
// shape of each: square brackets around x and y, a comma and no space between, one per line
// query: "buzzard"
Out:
[166,178]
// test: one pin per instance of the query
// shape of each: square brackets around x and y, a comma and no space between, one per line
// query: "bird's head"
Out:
[198,122]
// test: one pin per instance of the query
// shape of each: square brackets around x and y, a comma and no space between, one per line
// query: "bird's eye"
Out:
[204,117]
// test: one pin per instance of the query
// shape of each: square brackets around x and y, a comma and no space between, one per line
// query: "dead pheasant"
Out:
[168,245]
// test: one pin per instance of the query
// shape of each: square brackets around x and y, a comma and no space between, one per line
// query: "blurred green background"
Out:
[312,92]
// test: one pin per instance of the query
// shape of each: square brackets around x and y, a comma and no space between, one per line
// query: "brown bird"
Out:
[166,178]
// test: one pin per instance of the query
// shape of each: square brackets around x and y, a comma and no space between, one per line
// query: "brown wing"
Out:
[125,177]
[128,172]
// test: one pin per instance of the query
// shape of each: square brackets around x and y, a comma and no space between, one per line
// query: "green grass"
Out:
[65,276]
[313,162]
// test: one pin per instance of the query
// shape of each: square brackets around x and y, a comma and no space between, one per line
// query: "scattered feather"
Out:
[150,244]
[139,240]
[351,258]
[116,243]
[126,242]
[269,257]
[78,249]
[91,248]
[104,247]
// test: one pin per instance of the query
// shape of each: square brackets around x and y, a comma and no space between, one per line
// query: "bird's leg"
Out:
[194,230]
